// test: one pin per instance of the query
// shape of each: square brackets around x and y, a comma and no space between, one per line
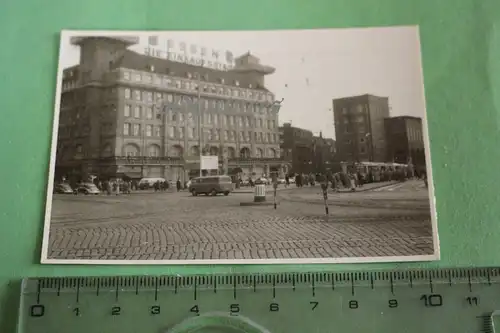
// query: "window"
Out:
[216,135]
[224,120]
[137,77]
[261,123]
[149,96]
[216,120]
[154,151]
[137,129]
[173,116]
[226,135]
[178,84]
[181,132]
[137,112]
[149,130]
[126,129]
[261,137]
[157,131]
[149,112]
[127,93]
[205,102]
[170,98]
[242,136]
[137,95]
[147,78]
[126,75]
[171,131]
[127,110]
[158,96]
[157,80]
[192,132]
[240,121]
[268,137]
[167,82]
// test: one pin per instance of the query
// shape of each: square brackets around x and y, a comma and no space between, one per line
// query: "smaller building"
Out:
[405,140]
[324,155]
[296,148]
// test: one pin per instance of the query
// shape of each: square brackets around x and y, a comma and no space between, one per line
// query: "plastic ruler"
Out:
[441,300]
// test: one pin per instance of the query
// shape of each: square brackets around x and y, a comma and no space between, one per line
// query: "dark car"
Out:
[63,189]
[87,188]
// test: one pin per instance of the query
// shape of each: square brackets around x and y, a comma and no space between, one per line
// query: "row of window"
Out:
[130,129]
[194,85]
[219,104]
[176,151]
[209,118]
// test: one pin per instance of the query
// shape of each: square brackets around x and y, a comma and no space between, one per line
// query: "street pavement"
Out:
[390,221]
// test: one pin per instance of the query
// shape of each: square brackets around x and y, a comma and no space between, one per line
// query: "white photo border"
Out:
[66,34]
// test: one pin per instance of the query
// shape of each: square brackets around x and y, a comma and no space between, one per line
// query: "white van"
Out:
[147,183]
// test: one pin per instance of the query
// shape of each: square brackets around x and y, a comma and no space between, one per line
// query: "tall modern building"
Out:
[405,140]
[359,128]
[126,113]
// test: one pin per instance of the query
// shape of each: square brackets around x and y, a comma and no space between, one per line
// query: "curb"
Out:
[368,189]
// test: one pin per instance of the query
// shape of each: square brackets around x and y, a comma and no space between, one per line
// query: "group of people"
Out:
[120,186]
[353,179]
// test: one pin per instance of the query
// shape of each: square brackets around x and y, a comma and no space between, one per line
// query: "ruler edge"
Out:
[349,276]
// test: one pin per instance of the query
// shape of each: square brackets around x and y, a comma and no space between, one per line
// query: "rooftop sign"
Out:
[189,54]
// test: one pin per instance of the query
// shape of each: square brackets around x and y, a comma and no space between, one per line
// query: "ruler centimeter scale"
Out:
[425,300]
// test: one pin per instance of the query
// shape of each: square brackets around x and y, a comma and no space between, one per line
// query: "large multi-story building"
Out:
[296,146]
[126,113]
[405,140]
[359,128]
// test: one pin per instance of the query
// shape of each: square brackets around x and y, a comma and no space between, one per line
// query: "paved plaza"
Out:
[393,220]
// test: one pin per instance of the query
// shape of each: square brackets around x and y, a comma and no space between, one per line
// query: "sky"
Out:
[312,66]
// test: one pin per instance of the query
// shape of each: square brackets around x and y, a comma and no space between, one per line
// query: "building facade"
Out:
[127,114]
[405,140]
[296,147]
[324,155]
[359,128]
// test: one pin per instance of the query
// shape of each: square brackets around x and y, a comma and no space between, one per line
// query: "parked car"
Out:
[212,185]
[262,181]
[87,188]
[63,189]
[281,181]
[147,183]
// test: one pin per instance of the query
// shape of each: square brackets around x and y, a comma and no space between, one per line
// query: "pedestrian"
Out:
[287,180]
[178,184]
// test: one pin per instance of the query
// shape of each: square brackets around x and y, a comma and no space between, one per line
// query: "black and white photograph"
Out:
[240,147]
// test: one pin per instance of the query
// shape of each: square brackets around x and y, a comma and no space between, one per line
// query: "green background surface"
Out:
[461,60]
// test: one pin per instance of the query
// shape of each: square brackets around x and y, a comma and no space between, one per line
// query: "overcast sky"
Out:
[315,66]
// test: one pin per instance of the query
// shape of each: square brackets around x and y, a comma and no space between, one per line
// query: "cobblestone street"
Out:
[148,226]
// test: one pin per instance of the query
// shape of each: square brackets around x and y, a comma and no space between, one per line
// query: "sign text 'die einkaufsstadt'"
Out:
[190,59]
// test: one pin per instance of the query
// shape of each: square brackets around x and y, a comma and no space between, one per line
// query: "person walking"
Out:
[178,184]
